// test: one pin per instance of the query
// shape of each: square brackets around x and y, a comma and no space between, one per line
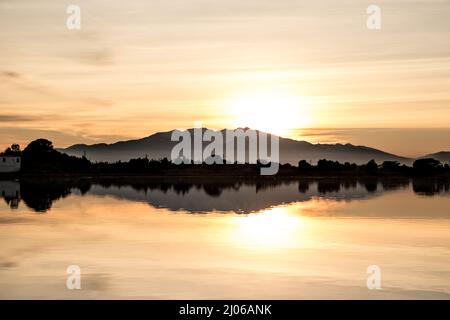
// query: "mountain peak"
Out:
[159,145]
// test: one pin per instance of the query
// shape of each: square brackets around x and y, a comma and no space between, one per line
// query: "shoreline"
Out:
[211,176]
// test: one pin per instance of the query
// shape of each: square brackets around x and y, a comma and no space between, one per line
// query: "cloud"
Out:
[22,82]
[8,264]
[89,48]
[110,137]
[26,118]
[95,56]
[10,74]
[98,102]
[14,118]
[60,138]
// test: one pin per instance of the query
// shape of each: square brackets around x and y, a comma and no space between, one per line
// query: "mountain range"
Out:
[443,156]
[159,145]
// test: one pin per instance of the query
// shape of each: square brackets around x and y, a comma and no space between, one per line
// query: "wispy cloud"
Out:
[11,134]
[101,56]
[22,82]
[16,118]
[9,74]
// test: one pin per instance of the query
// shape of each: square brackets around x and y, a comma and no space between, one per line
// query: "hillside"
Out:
[159,145]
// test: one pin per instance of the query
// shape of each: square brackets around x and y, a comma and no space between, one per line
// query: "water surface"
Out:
[225,240]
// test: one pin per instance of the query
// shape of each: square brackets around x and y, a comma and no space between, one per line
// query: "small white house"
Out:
[9,164]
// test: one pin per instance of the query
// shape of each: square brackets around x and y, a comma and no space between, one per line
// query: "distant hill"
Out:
[159,145]
[443,156]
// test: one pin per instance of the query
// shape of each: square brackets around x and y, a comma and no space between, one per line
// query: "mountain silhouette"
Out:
[159,145]
[442,156]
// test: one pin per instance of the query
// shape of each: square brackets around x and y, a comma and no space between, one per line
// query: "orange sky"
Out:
[139,67]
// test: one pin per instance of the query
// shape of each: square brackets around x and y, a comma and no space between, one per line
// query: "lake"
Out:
[136,238]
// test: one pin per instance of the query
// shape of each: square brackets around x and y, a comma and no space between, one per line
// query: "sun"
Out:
[273,112]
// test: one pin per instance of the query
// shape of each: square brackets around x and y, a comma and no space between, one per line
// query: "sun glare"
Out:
[273,228]
[272,112]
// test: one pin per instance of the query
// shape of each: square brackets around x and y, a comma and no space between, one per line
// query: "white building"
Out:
[9,164]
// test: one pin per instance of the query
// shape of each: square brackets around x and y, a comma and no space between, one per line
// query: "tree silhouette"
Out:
[371,166]
[427,166]
[14,150]
[40,156]
[304,166]
[390,165]
[39,147]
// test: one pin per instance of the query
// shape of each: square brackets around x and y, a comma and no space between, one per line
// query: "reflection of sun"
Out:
[273,112]
[273,228]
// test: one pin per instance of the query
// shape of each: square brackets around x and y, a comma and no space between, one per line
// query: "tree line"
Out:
[40,157]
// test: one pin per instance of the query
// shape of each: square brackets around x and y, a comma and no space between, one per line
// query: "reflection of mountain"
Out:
[240,198]
[159,145]
[223,196]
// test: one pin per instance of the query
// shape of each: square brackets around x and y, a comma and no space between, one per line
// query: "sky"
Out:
[307,70]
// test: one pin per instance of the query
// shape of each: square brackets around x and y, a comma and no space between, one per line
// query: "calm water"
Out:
[191,240]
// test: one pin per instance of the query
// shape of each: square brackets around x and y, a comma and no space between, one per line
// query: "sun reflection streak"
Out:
[272,228]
